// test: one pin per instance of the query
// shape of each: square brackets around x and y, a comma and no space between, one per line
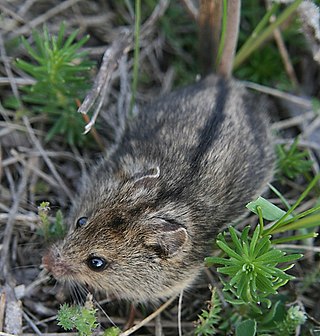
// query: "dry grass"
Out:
[32,171]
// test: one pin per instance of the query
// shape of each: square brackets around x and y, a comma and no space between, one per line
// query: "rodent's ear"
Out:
[145,176]
[168,242]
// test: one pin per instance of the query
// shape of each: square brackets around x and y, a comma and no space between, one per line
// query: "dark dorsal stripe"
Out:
[207,136]
[211,129]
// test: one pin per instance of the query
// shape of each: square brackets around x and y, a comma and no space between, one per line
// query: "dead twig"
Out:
[43,18]
[17,81]
[179,312]
[158,326]
[110,62]
[13,312]
[191,8]
[13,14]
[46,158]
[31,324]
[103,79]
[209,21]
[233,20]
[7,66]
[284,53]
[294,121]
[4,263]
[148,318]
[2,309]
[280,94]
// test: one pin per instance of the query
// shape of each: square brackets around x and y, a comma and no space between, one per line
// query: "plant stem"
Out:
[137,25]
[293,238]
[304,223]
[280,222]
[229,37]
[255,41]
[209,21]
[278,193]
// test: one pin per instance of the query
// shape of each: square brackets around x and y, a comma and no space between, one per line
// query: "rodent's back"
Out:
[187,165]
[211,141]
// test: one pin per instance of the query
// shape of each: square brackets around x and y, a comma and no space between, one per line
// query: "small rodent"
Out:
[146,217]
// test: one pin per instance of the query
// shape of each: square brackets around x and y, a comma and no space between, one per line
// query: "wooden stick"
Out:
[233,20]
[148,318]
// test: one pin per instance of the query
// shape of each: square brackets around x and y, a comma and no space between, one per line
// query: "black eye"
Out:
[81,221]
[96,264]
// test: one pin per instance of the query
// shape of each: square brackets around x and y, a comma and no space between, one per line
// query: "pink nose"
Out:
[55,264]
[48,261]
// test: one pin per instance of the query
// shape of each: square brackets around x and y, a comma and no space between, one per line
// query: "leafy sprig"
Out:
[252,265]
[61,72]
[51,230]
[209,318]
[292,161]
[80,318]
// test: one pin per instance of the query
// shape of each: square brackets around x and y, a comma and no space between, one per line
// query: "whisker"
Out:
[103,311]
[22,267]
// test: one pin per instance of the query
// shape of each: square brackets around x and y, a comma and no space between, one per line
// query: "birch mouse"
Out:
[147,215]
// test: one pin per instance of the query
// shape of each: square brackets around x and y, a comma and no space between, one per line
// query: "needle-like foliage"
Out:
[61,72]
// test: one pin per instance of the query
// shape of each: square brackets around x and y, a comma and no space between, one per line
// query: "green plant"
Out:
[252,265]
[294,318]
[51,231]
[181,39]
[61,73]
[205,326]
[251,272]
[292,162]
[82,319]
[258,58]
[263,31]
[113,331]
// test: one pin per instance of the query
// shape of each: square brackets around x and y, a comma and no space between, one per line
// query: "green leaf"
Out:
[276,314]
[269,211]
[228,250]
[295,238]
[235,239]
[262,247]
[229,270]
[271,256]
[247,328]
[256,236]
[113,331]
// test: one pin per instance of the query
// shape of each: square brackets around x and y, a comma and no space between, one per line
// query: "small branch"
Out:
[136,52]
[254,43]
[43,18]
[7,66]
[276,93]
[284,52]
[17,81]
[285,57]
[179,312]
[191,8]
[4,262]
[110,62]
[233,20]
[148,318]
[46,158]
[209,21]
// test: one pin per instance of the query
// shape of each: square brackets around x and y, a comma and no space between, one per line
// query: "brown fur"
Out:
[187,165]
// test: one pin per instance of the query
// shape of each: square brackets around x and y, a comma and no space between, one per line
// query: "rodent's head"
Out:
[126,245]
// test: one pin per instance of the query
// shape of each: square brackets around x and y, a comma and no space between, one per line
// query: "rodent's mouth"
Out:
[55,265]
